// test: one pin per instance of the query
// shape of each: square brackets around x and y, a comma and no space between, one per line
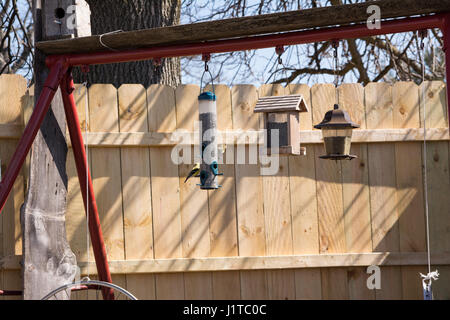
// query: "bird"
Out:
[195,171]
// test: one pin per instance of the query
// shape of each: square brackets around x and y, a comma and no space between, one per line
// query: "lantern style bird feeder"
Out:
[337,134]
[283,113]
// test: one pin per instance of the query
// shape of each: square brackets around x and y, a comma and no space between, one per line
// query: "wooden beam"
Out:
[256,263]
[165,139]
[48,261]
[10,131]
[246,26]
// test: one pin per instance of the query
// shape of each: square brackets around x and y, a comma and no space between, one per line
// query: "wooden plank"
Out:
[165,191]
[357,284]
[193,202]
[355,178]
[246,26]
[12,89]
[198,286]
[222,207]
[222,202]
[254,285]
[305,91]
[412,282]
[383,196]
[136,191]
[277,214]
[334,284]
[226,285]
[13,280]
[355,192]
[305,225]
[410,200]
[45,246]
[308,284]
[439,207]
[244,98]
[75,212]
[106,167]
[142,286]
[438,167]
[170,286]
[435,97]
[329,181]
[329,201]
[302,180]
[277,207]
[135,166]
[235,137]
[249,263]
[249,195]
[11,131]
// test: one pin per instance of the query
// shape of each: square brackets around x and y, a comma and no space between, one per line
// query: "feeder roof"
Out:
[293,102]
[336,119]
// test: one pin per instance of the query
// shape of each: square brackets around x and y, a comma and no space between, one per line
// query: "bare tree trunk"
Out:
[48,260]
[112,15]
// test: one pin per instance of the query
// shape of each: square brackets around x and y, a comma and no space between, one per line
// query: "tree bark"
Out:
[111,15]
[48,260]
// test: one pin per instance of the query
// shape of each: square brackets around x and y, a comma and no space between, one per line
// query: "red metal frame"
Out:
[60,66]
[76,138]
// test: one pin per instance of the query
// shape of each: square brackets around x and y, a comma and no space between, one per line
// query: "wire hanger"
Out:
[432,275]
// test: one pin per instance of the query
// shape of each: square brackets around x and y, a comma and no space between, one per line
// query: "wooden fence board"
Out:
[222,206]
[12,93]
[104,116]
[193,202]
[355,192]
[137,208]
[383,196]
[329,200]
[329,180]
[410,202]
[435,101]
[277,214]
[75,212]
[355,177]
[135,167]
[308,284]
[249,195]
[165,192]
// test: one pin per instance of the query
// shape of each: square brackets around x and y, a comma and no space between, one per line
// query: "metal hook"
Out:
[206,57]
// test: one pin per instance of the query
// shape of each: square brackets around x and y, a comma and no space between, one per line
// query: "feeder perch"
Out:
[283,113]
[337,130]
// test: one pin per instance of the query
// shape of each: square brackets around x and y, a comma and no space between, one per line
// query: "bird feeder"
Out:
[209,168]
[283,113]
[337,130]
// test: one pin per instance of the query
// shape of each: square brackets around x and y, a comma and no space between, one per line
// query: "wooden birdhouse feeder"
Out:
[283,113]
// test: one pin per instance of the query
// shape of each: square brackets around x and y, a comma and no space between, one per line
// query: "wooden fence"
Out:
[309,232]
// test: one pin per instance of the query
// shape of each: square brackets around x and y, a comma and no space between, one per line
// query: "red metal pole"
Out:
[446,33]
[57,70]
[256,42]
[79,153]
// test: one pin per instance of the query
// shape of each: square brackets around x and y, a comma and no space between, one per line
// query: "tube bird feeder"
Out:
[209,167]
